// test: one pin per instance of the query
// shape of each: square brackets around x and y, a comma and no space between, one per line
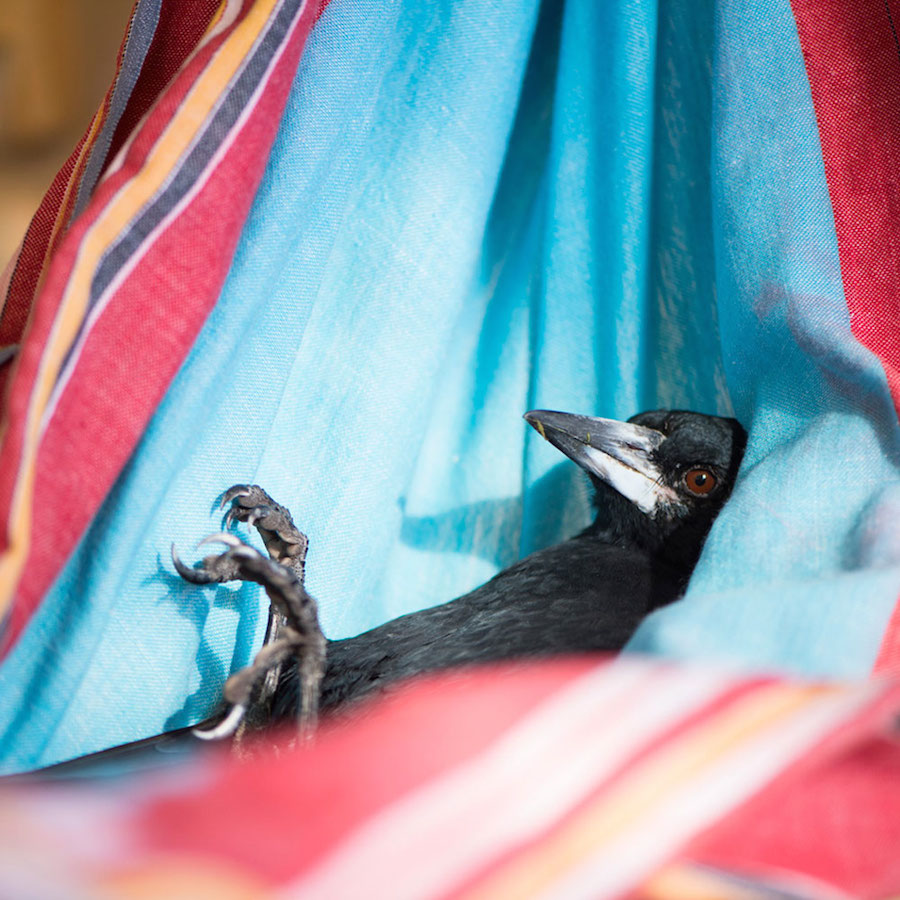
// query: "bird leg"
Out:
[286,544]
[293,629]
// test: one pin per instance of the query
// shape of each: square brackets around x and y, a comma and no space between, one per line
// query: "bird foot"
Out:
[251,504]
[293,631]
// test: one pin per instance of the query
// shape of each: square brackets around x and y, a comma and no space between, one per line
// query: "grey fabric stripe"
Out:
[8,352]
[141,30]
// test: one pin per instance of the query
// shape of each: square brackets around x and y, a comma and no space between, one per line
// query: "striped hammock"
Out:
[337,248]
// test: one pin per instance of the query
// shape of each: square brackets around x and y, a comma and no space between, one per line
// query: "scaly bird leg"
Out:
[293,629]
[286,544]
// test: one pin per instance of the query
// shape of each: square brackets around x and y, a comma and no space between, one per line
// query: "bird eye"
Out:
[700,481]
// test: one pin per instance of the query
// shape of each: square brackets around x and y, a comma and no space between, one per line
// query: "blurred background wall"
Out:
[57,58]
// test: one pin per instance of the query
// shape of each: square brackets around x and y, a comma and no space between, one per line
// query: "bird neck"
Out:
[625,526]
[618,521]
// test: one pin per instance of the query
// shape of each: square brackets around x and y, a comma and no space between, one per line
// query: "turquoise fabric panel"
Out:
[802,571]
[473,209]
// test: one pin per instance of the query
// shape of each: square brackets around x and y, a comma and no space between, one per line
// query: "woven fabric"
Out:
[802,571]
[566,779]
[853,59]
[470,209]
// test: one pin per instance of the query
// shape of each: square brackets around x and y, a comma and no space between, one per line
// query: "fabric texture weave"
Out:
[469,209]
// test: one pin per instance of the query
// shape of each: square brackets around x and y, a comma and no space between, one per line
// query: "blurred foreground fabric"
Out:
[338,249]
[564,779]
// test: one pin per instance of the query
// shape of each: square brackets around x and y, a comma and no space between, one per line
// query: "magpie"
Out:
[659,481]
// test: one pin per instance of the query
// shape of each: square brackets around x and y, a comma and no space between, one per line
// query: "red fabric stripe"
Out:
[142,338]
[284,811]
[852,55]
[833,816]
[30,263]
[888,660]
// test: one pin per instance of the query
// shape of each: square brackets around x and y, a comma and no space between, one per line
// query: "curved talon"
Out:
[226,728]
[189,573]
[237,490]
[223,537]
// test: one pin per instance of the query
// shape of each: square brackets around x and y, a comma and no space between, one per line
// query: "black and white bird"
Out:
[660,479]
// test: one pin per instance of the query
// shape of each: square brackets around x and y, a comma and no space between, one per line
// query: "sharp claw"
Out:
[226,728]
[223,537]
[189,573]
[239,490]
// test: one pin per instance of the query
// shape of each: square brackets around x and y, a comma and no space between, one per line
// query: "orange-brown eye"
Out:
[700,481]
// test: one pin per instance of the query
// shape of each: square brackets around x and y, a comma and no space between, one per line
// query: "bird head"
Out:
[660,478]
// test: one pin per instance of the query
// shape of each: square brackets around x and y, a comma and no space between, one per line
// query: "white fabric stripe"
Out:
[700,802]
[228,17]
[443,832]
[102,302]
